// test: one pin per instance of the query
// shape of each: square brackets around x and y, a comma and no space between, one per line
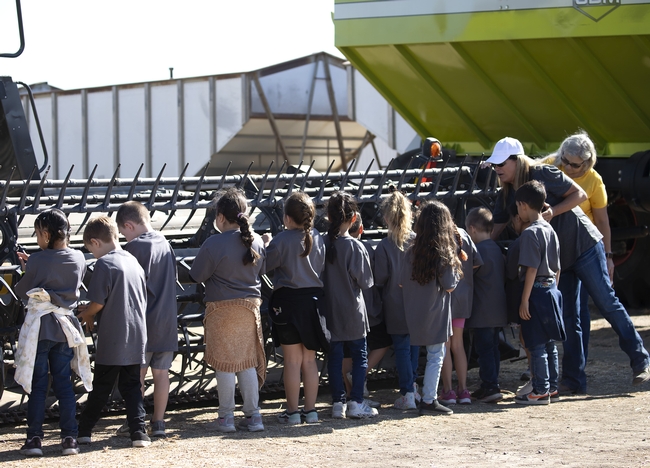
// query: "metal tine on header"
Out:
[418,184]
[84,198]
[223,176]
[434,192]
[6,285]
[243,178]
[109,190]
[363,179]
[39,191]
[293,180]
[23,196]
[344,180]
[5,192]
[172,203]
[454,187]
[260,192]
[134,183]
[59,202]
[154,189]
[403,176]
[197,193]
[475,175]
[382,181]
[275,183]
[322,185]
[304,181]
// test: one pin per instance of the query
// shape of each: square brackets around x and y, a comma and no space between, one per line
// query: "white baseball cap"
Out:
[505,148]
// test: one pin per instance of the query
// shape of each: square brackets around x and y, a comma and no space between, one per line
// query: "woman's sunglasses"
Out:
[514,156]
[566,162]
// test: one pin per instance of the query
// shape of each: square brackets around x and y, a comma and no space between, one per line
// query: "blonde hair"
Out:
[102,228]
[396,211]
[522,174]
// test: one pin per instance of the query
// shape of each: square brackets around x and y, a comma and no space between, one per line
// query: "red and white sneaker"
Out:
[533,398]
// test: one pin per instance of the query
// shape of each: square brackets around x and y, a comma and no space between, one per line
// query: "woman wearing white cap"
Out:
[582,258]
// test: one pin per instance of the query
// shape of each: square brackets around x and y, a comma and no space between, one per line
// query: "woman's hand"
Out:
[610,270]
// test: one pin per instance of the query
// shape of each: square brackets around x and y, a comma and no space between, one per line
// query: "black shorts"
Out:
[295,318]
[287,334]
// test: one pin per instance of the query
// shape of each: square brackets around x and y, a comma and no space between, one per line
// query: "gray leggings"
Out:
[247,386]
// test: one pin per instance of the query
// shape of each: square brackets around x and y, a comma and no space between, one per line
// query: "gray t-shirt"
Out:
[60,272]
[539,248]
[372,296]
[462,297]
[387,269]
[290,269]
[157,259]
[347,318]
[576,232]
[219,264]
[118,283]
[428,306]
[489,308]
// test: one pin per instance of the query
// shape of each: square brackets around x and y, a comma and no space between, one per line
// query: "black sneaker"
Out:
[140,439]
[69,446]
[486,395]
[554,395]
[32,447]
[434,408]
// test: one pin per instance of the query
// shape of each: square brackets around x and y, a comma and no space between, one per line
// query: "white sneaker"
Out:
[361,410]
[338,410]
[525,389]
[372,403]
[252,423]
[406,402]
[416,393]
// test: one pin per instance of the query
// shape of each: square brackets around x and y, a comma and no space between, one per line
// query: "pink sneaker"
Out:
[464,398]
[448,398]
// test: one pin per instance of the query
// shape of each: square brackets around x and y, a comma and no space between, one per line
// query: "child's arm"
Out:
[87,314]
[557,277]
[531,273]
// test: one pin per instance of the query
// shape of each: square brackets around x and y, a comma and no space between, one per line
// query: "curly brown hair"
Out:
[436,245]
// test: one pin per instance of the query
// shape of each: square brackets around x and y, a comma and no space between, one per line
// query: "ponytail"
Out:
[231,204]
[300,208]
[341,207]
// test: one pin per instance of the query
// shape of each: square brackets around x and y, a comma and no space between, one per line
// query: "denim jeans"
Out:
[585,319]
[406,361]
[359,353]
[590,269]
[103,382]
[435,358]
[57,357]
[544,367]
[486,343]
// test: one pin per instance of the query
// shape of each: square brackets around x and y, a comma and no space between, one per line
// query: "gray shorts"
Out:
[161,360]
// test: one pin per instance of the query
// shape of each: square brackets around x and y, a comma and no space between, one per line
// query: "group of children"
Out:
[318,303]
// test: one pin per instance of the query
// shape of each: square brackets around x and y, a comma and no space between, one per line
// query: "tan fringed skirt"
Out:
[233,336]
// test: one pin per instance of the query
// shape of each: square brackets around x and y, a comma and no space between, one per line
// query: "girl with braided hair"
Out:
[428,276]
[347,273]
[230,264]
[297,257]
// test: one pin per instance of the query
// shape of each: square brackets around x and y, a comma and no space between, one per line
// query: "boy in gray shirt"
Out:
[540,309]
[118,296]
[156,257]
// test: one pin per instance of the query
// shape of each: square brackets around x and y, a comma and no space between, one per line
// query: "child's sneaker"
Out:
[533,398]
[525,389]
[406,402]
[554,395]
[225,424]
[84,440]
[361,410]
[448,398]
[157,429]
[464,398]
[416,393]
[291,419]
[641,377]
[69,446]
[32,447]
[339,409]
[487,395]
[311,417]
[372,403]
[140,439]
[253,423]
[123,430]
[434,408]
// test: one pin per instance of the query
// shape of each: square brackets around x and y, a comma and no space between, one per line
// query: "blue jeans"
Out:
[435,358]
[590,269]
[585,319]
[359,353]
[544,367]
[486,343]
[58,356]
[406,361]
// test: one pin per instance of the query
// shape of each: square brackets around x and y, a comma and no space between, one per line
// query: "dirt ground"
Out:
[608,427]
